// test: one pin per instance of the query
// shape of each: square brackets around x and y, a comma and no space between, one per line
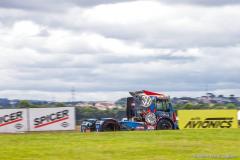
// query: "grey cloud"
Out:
[178,37]
[53,5]
[44,33]
[159,35]
[37,5]
[53,67]
[202,2]
[61,5]
[110,59]
[123,77]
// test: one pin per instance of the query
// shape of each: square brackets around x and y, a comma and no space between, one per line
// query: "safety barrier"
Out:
[37,119]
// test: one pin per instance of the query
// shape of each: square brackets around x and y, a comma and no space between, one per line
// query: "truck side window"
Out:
[161,105]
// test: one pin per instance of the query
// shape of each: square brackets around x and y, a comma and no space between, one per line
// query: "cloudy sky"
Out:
[104,48]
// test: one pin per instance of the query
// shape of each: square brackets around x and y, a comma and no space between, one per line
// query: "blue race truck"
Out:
[145,110]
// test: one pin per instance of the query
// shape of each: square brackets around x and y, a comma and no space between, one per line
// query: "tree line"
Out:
[118,113]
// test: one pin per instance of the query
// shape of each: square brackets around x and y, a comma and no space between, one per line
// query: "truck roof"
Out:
[149,93]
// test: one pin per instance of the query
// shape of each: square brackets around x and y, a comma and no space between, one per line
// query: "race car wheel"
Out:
[110,125]
[164,124]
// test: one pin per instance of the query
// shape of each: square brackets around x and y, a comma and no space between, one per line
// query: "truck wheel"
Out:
[164,124]
[110,125]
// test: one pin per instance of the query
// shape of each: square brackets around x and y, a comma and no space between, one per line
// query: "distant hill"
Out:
[121,102]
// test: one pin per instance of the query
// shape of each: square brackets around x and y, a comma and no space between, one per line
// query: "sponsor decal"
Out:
[150,118]
[146,101]
[11,118]
[140,96]
[207,119]
[18,126]
[64,124]
[51,119]
[219,122]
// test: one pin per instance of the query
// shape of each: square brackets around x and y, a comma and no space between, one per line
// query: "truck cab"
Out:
[145,110]
[154,109]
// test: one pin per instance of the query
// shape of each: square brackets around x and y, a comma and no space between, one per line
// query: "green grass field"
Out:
[147,145]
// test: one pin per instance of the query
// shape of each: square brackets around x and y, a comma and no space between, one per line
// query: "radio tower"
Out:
[73,94]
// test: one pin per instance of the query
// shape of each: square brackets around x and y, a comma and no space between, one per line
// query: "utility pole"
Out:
[206,89]
[73,94]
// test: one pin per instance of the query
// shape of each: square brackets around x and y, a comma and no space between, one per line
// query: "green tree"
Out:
[60,105]
[24,104]
[188,106]
[231,106]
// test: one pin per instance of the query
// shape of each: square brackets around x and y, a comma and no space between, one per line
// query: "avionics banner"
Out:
[49,119]
[13,120]
[205,119]
[239,115]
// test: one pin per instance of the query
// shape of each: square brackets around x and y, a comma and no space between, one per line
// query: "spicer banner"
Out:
[13,120]
[50,119]
[205,119]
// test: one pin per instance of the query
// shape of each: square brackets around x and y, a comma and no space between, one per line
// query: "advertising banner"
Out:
[205,119]
[239,115]
[13,120]
[51,119]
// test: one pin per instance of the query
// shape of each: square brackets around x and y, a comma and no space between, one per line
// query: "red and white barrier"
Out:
[51,119]
[13,120]
[37,119]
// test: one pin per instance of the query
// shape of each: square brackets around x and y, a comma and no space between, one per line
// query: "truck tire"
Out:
[164,124]
[110,125]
